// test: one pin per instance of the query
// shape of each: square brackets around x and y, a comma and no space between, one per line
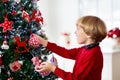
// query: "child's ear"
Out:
[89,37]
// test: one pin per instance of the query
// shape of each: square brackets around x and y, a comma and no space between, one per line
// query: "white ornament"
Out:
[18,1]
[21,62]
[1,53]
[4,45]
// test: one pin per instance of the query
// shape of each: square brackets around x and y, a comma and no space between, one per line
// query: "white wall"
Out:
[60,16]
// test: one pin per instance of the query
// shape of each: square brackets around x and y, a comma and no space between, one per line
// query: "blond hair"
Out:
[94,27]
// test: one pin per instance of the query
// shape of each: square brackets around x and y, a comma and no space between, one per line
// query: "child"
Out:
[90,31]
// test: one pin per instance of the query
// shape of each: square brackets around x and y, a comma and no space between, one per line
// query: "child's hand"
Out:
[43,73]
[45,66]
[41,40]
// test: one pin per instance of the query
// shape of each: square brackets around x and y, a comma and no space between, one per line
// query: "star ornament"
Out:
[7,25]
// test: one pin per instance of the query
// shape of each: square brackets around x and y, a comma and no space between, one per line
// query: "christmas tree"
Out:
[20,51]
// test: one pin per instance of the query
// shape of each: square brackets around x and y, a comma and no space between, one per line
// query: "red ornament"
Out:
[36,60]
[20,44]
[0,61]
[11,78]
[26,16]
[14,12]
[34,41]
[36,15]
[7,25]
[4,1]
[15,66]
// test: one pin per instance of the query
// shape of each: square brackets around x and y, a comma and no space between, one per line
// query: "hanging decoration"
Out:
[14,12]
[5,45]
[20,44]
[0,60]
[4,1]
[26,16]
[37,16]
[7,25]
[34,42]
[16,65]
[11,78]
[53,61]
[18,1]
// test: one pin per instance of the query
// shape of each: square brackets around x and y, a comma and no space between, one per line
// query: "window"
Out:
[108,10]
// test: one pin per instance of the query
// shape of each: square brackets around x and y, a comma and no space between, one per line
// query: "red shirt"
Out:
[88,64]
